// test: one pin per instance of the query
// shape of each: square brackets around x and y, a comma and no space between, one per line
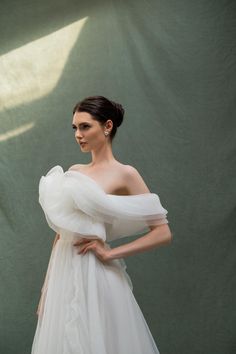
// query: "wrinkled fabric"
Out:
[75,202]
[88,306]
[171,64]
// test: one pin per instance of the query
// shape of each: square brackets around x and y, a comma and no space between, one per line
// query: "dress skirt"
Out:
[89,307]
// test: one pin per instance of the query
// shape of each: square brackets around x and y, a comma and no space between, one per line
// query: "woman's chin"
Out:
[84,148]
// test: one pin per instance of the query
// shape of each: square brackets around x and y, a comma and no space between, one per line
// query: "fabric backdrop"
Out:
[172,66]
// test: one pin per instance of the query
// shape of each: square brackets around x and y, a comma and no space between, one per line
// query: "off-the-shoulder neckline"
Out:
[108,194]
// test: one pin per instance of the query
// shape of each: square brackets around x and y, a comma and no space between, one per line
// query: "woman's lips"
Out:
[82,144]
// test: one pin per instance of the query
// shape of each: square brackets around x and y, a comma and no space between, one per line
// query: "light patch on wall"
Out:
[14,132]
[33,70]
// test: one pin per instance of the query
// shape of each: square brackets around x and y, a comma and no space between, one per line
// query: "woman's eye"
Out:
[85,126]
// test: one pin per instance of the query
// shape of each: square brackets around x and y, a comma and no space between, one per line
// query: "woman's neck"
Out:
[102,156]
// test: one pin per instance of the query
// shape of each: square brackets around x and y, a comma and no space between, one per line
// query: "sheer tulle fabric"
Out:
[87,306]
[77,203]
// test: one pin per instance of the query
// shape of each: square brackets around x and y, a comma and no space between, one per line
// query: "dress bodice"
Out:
[75,203]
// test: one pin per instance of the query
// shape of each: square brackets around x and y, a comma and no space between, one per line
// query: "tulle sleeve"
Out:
[138,213]
[123,215]
[74,202]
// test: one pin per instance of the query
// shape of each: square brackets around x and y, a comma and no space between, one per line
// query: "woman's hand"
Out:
[98,247]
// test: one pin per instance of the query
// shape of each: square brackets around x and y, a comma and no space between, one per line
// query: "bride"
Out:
[87,305]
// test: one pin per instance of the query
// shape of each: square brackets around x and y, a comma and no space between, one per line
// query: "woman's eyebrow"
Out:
[80,123]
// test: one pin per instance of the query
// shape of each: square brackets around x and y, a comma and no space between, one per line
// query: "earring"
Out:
[106,133]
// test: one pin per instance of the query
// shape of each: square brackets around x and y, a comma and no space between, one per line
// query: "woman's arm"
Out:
[158,236]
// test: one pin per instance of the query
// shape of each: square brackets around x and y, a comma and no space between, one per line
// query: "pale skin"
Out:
[114,178]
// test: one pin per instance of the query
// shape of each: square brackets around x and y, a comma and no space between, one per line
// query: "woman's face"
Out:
[89,133]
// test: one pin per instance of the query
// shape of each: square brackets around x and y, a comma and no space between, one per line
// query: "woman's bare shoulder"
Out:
[130,171]
[133,180]
[75,167]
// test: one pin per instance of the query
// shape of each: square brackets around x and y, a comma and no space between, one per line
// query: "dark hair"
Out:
[102,109]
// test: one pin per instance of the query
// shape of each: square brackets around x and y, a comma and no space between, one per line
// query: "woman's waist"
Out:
[68,236]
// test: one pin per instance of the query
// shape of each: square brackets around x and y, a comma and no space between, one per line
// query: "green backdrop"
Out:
[172,66]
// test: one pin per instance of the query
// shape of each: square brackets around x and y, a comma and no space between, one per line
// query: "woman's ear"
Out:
[108,124]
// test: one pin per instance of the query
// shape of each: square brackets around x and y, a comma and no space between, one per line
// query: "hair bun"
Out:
[119,112]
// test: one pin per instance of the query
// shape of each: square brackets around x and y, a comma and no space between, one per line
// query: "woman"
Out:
[87,305]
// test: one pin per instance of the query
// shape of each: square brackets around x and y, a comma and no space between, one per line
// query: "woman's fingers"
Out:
[86,247]
[82,240]
[88,244]
[83,243]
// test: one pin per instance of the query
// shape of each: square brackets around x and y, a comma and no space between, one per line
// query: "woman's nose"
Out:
[78,134]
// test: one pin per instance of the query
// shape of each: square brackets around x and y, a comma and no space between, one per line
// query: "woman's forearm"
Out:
[158,236]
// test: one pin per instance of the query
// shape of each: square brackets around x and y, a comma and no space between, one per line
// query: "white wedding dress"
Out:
[87,306]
